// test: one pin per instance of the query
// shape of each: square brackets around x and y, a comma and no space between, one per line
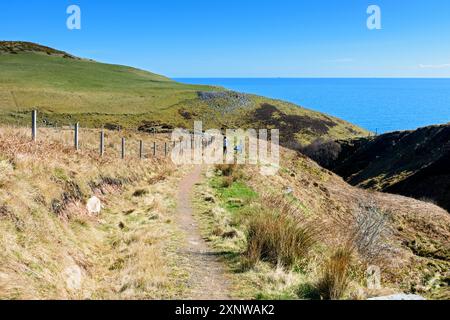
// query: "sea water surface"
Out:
[379,105]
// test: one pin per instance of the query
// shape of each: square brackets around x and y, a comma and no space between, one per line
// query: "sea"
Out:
[378,105]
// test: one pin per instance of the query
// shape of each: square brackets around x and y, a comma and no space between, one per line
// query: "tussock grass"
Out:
[276,233]
[335,277]
[226,170]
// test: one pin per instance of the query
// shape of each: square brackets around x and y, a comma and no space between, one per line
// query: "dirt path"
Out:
[207,280]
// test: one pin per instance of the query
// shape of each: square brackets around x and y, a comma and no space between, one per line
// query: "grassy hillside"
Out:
[411,163]
[284,236]
[66,89]
[52,248]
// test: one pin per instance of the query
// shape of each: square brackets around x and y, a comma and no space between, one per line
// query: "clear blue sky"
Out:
[244,38]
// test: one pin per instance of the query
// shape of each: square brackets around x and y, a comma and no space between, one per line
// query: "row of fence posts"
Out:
[102,140]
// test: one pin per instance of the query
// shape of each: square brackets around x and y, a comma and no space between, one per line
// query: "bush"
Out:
[230,173]
[324,152]
[226,169]
[370,231]
[278,237]
[335,275]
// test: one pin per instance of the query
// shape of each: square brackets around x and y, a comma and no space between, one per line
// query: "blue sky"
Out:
[244,38]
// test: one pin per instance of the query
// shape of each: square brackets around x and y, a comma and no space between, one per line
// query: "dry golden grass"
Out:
[335,277]
[50,251]
[277,234]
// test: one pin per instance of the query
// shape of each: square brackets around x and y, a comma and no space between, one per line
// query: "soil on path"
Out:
[207,275]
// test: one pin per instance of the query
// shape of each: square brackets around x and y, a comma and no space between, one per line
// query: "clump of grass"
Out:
[227,170]
[335,277]
[277,237]
[227,181]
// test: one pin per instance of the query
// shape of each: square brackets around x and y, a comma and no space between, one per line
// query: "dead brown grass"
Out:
[335,277]
[50,247]
[277,233]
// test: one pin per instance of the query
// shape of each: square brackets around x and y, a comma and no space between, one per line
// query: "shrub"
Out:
[335,275]
[278,238]
[324,152]
[226,169]
[369,231]
[230,173]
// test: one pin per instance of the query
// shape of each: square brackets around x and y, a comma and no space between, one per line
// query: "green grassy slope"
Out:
[66,89]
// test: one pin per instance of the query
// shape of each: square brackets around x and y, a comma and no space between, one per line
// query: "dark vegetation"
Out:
[410,163]
[269,116]
[15,47]
[322,151]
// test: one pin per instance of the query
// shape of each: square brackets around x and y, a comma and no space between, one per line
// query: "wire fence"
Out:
[123,143]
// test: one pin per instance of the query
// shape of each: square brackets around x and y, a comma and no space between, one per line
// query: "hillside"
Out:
[411,163]
[407,239]
[145,242]
[66,89]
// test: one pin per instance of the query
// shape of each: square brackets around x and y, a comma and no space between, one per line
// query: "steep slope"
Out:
[411,163]
[66,89]
[406,238]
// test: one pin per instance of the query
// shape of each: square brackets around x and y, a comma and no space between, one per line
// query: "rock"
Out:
[73,276]
[288,190]
[400,296]
[94,205]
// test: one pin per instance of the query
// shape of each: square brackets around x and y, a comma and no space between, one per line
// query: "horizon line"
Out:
[303,77]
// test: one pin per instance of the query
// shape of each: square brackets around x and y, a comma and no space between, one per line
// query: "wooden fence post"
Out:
[34,125]
[154,149]
[76,141]
[165,149]
[102,143]
[141,149]
[123,148]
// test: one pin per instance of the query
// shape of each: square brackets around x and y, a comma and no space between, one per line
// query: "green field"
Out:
[66,89]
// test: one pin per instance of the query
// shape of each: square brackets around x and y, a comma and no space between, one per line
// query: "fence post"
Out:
[34,125]
[76,142]
[141,149]
[154,149]
[102,143]
[165,149]
[123,148]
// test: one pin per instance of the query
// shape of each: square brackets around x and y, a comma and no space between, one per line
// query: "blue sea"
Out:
[379,105]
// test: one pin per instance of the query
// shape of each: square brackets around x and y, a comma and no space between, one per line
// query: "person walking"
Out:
[225,145]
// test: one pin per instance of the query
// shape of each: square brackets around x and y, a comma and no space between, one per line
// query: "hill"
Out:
[66,89]
[411,163]
[53,248]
